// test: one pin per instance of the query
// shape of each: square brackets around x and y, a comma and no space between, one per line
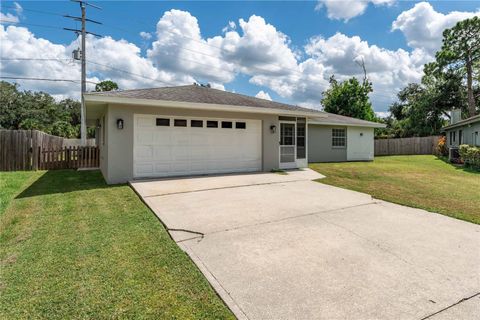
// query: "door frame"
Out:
[287,165]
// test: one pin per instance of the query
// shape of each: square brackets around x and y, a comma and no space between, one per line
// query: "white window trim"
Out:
[344,137]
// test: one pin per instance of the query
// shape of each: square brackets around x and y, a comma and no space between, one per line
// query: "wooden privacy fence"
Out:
[406,146]
[33,150]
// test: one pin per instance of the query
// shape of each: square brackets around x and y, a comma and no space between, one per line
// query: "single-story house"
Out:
[466,131]
[194,130]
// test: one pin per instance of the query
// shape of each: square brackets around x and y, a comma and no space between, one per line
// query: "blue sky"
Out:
[305,36]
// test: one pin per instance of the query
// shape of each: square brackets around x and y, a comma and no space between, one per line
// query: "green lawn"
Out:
[72,247]
[417,181]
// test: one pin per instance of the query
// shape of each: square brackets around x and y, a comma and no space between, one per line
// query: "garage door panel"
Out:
[198,153]
[168,151]
[162,154]
[145,122]
[143,152]
[162,138]
[144,169]
[146,138]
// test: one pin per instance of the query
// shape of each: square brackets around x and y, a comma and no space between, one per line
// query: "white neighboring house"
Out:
[195,130]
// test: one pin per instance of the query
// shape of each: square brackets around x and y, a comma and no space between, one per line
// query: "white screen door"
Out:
[287,145]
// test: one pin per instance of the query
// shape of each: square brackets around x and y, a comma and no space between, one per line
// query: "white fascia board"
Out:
[198,106]
[372,125]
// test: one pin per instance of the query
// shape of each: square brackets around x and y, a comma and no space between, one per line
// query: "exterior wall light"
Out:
[273,128]
[361,134]
[120,124]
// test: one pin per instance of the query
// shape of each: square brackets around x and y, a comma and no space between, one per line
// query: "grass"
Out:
[72,247]
[424,182]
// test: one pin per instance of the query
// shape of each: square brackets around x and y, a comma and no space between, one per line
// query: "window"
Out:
[339,138]
[196,123]
[180,123]
[227,124]
[301,128]
[451,138]
[212,124]
[454,134]
[460,136]
[240,125]
[162,122]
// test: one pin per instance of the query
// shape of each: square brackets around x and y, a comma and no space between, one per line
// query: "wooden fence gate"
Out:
[35,150]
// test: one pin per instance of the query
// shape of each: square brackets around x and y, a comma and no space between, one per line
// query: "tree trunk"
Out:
[471,98]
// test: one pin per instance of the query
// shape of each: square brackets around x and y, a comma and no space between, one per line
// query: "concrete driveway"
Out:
[285,247]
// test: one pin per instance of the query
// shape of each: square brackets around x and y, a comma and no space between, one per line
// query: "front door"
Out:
[287,145]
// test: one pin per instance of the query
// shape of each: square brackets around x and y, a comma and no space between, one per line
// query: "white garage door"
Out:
[174,146]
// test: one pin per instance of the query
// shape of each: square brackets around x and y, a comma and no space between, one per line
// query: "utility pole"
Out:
[83,58]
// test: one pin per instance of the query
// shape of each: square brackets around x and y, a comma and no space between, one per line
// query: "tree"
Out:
[349,98]
[415,113]
[37,110]
[460,55]
[106,85]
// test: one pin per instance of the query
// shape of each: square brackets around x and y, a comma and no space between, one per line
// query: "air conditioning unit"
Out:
[453,153]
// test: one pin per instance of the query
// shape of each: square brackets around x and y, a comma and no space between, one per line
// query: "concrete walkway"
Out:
[285,247]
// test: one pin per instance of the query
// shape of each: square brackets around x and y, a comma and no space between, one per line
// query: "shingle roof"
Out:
[201,94]
[463,122]
[343,120]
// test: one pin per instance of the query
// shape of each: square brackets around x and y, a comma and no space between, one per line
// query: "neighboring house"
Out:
[466,131]
[192,130]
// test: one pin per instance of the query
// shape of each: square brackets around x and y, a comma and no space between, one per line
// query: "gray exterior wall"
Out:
[468,135]
[116,161]
[320,145]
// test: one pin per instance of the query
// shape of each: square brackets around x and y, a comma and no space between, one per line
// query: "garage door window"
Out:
[163,122]
[180,123]
[227,125]
[339,138]
[196,123]
[212,124]
[240,125]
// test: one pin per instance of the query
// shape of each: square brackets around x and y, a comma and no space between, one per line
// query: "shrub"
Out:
[470,155]
[442,146]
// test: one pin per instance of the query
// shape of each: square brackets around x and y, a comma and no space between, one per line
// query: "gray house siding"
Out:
[470,135]
[320,145]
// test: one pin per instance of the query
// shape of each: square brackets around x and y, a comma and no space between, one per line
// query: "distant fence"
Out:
[406,146]
[33,150]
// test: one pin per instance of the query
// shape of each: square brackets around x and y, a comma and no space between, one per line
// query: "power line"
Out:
[30,24]
[42,79]
[34,59]
[36,11]
[128,72]
[384,94]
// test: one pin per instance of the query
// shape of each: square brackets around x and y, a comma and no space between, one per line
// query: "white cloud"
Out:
[7,18]
[180,49]
[263,95]
[145,35]
[382,114]
[18,8]
[347,9]
[259,49]
[19,42]
[231,26]
[423,26]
